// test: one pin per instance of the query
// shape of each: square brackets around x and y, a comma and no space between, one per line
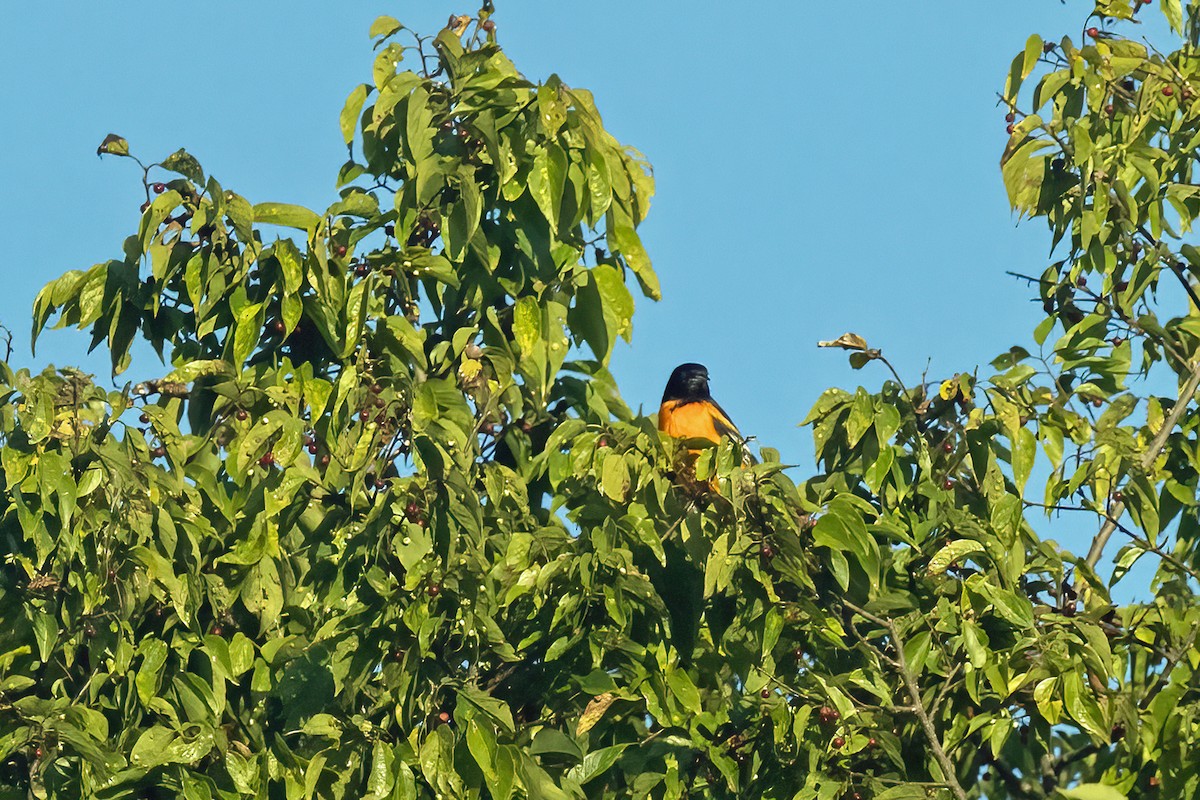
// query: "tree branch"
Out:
[1146,462]
[914,694]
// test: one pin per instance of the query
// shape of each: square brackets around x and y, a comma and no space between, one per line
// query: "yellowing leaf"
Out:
[468,370]
[593,713]
[847,341]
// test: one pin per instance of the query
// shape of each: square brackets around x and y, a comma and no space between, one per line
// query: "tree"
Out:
[386,528]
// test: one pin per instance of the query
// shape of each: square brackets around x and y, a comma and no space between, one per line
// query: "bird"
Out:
[688,410]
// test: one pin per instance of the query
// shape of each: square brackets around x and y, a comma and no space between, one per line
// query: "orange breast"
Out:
[688,420]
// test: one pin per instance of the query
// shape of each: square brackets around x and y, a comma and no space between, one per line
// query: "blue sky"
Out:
[819,170]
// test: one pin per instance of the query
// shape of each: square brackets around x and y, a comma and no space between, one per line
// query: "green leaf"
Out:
[287,215]
[527,324]
[384,26]
[45,631]
[953,553]
[551,741]
[615,477]
[1173,11]
[185,164]
[623,239]
[1092,791]
[154,658]
[546,181]
[247,333]
[596,763]
[552,111]
[1024,449]
[113,145]
[352,110]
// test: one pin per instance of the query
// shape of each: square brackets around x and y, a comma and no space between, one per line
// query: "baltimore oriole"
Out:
[688,410]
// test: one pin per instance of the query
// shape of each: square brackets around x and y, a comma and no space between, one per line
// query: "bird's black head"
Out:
[687,382]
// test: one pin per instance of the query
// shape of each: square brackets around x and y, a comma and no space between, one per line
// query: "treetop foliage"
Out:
[385,527]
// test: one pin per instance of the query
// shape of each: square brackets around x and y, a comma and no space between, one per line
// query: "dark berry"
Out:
[325,460]
[1121,286]
[159,188]
[389,229]
[1010,128]
[1048,47]
[764,694]
[1118,732]
[1010,117]
[364,415]
[362,270]
[380,483]
[1093,33]
[340,250]
[1109,110]
[144,418]
[145,206]
[267,459]
[838,742]
[1081,282]
[1168,91]
[767,551]
[376,388]
[433,590]
[948,484]
[872,742]
[412,511]
[242,414]
[488,25]
[312,449]
[948,446]
[1116,341]
[158,452]
[444,717]
[798,653]
[217,630]
[1119,496]
[277,326]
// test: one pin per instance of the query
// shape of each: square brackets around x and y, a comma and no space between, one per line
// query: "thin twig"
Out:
[914,693]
